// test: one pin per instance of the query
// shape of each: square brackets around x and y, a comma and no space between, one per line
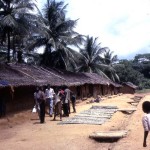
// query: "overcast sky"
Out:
[121,25]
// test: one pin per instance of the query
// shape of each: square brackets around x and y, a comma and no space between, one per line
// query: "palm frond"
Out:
[9,21]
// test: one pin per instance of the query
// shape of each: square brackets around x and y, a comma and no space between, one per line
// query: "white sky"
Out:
[121,25]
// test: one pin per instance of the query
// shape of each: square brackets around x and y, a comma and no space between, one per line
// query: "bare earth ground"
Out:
[22,131]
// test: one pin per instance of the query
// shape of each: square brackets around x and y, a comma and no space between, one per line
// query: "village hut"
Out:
[21,83]
[87,84]
[115,88]
[18,83]
[128,88]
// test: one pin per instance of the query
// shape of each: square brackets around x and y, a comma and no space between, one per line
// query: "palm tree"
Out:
[59,38]
[15,18]
[110,60]
[90,60]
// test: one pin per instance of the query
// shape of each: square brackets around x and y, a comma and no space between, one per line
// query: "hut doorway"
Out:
[91,90]
[79,92]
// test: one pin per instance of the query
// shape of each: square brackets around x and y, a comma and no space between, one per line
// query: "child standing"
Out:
[146,120]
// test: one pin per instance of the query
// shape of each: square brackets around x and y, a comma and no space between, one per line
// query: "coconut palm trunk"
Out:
[14,48]
[8,46]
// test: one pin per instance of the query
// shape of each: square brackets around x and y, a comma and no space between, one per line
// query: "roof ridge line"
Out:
[53,73]
[27,75]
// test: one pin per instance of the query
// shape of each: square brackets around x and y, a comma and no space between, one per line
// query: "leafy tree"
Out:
[126,73]
[110,60]
[142,58]
[141,63]
[60,36]
[15,18]
[90,60]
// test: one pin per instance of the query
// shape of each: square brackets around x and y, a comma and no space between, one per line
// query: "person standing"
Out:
[49,93]
[58,105]
[37,105]
[67,101]
[73,101]
[2,106]
[41,101]
[64,105]
[146,120]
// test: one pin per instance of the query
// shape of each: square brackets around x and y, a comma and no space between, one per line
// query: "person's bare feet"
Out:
[144,144]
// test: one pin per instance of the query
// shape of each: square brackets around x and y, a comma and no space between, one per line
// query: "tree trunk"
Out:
[8,47]
[14,48]
[19,56]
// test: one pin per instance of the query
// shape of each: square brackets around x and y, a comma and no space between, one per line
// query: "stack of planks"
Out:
[137,98]
[95,115]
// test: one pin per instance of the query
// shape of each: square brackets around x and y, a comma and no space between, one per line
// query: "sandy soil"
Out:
[22,131]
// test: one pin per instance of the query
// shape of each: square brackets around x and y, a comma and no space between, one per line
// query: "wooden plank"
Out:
[132,102]
[108,134]
[127,109]
[98,116]
[95,115]
[89,119]
[83,121]
[104,107]
[98,112]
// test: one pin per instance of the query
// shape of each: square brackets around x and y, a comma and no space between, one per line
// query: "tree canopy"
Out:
[24,29]
[15,19]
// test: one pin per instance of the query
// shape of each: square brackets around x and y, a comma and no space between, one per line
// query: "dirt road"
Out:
[22,131]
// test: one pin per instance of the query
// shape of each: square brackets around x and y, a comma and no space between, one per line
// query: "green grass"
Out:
[143,91]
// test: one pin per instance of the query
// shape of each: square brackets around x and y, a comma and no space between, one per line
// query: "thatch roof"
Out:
[83,78]
[27,75]
[130,84]
[102,80]
[80,78]
[21,74]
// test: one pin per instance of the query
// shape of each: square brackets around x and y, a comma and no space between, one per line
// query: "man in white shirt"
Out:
[36,97]
[49,94]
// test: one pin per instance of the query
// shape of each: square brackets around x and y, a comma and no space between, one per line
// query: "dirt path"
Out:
[135,136]
[23,131]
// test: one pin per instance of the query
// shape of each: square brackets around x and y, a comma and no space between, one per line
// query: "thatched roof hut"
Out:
[27,75]
[128,87]
[24,78]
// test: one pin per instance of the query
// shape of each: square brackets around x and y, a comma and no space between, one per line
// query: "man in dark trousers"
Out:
[2,107]
[73,101]
[41,100]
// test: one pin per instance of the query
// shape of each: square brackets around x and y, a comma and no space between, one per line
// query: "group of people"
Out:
[57,100]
